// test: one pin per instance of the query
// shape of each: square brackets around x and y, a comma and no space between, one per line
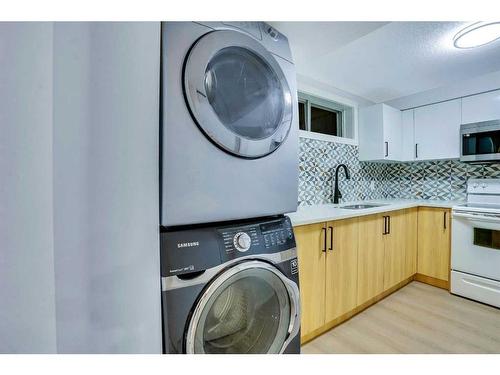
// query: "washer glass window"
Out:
[244,92]
[248,313]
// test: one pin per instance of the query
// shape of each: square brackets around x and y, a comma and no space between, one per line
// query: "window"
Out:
[326,121]
[323,116]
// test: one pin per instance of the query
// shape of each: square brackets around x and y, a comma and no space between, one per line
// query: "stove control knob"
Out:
[242,241]
[475,186]
[483,185]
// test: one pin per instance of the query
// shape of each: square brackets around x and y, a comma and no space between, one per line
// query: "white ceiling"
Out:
[382,61]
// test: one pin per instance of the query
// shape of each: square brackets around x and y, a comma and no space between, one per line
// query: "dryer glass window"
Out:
[248,313]
[245,93]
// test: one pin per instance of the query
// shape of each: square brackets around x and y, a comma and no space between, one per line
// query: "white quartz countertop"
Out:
[325,212]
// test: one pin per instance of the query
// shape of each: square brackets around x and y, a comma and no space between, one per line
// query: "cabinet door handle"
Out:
[416,150]
[385,225]
[388,225]
[444,219]
[324,239]
[331,238]
[386,149]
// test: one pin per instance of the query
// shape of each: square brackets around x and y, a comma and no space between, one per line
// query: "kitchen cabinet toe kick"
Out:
[438,283]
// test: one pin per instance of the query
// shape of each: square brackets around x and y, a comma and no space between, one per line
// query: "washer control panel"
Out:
[265,236]
[186,251]
[276,233]
[242,241]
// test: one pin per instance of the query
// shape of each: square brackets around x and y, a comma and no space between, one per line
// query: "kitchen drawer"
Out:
[476,288]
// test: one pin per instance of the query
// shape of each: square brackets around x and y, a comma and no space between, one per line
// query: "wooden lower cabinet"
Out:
[394,248]
[312,262]
[370,257]
[382,253]
[346,265]
[327,271]
[434,242]
[341,268]
[411,242]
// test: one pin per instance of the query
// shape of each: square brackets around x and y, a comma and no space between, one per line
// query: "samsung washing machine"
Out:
[231,288]
[229,138]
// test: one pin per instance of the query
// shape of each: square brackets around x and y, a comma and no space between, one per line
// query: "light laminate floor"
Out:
[416,319]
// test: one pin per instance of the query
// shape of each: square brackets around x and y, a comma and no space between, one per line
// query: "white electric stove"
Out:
[475,249]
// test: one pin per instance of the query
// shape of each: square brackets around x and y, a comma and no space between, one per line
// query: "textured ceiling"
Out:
[381,61]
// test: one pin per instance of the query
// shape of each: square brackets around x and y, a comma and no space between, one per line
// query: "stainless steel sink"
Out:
[361,206]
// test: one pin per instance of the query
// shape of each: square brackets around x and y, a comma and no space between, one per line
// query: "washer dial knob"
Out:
[242,241]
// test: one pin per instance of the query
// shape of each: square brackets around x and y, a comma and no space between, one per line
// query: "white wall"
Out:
[106,95]
[340,95]
[79,242]
[27,311]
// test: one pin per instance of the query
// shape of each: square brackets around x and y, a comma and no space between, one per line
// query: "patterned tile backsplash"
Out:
[440,180]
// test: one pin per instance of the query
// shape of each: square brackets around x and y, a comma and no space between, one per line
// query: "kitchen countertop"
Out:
[325,212]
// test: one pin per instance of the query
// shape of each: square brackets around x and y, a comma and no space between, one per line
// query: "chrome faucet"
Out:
[336,192]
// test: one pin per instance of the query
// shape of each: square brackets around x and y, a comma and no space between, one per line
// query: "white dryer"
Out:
[229,135]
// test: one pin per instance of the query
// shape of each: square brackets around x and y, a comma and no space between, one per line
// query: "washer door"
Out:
[237,94]
[250,308]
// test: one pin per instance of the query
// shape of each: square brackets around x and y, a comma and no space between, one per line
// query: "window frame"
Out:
[330,105]
[306,114]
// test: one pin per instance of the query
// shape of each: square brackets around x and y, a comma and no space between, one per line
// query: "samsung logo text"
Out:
[188,244]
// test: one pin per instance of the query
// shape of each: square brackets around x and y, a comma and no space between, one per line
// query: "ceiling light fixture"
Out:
[476,35]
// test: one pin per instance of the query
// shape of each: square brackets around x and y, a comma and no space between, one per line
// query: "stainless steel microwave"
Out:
[480,142]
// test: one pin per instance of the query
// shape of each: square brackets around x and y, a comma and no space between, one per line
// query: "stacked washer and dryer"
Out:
[229,173]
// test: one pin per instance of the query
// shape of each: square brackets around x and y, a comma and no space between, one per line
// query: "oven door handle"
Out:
[472,217]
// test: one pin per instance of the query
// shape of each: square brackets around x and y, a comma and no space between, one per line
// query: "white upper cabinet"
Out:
[379,133]
[437,130]
[407,135]
[430,132]
[482,107]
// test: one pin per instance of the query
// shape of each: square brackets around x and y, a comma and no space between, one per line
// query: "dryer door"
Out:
[250,308]
[237,93]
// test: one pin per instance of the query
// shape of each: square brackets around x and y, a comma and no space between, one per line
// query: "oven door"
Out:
[476,244]
[480,141]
